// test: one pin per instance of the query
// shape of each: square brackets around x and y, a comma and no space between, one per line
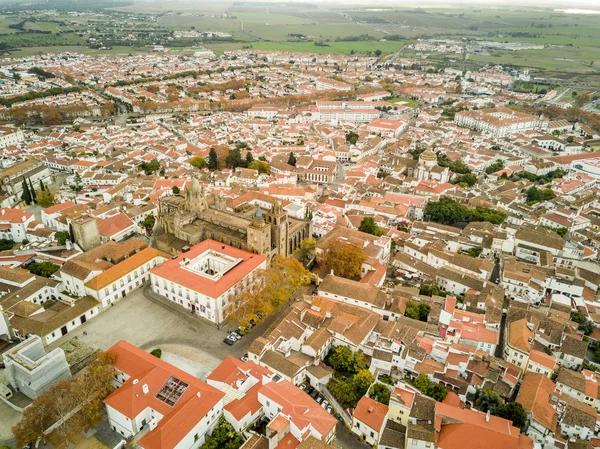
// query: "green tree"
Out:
[343,393]
[6,244]
[213,160]
[198,162]
[32,191]
[234,159]
[362,381]
[149,221]
[261,166]
[513,411]
[150,167]
[360,362]
[448,211]
[45,269]
[307,249]
[26,195]
[341,358]
[465,181]
[487,400]
[45,198]
[535,195]
[380,393]
[77,185]
[378,53]
[176,190]
[156,353]
[249,159]
[62,237]
[437,392]
[496,166]
[417,311]
[292,160]
[422,382]
[223,436]
[369,226]
[475,251]
[352,137]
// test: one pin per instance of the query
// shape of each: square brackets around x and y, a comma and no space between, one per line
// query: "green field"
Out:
[573,41]
[408,102]
[30,51]
[310,47]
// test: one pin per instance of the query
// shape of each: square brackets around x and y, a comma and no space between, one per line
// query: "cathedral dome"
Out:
[428,156]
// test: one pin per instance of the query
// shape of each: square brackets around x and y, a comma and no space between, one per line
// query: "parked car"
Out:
[310,389]
[2,366]
[238,333]
[244,358]
[314,394]
[5,391]
[324,404]
[303,387]
[319,399]
[330,410]
[228,340]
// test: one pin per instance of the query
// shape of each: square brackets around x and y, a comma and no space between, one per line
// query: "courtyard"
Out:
[149,321]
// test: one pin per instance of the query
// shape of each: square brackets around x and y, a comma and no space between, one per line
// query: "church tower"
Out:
[259,234]
[279,228]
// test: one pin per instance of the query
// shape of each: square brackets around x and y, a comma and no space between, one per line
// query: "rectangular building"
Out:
[204,278]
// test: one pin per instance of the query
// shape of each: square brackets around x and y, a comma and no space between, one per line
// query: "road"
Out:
[495,278]
[347,440]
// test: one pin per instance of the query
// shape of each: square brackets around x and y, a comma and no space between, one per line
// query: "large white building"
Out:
[345,111]
[204,278]
[10,136]
[14,224]
[174,409]
[499,122]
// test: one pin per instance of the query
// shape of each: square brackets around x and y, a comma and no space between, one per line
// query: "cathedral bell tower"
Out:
[259,235]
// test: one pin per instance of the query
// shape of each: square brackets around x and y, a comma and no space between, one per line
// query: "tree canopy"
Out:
[369,226]
[535,195]
[448,211]
[435,391]
[76,404]
[269,290]
[344,259]
[417,310]
[213,160]
[198,162]
[45,269]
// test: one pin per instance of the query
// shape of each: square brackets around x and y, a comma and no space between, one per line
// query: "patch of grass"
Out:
[408,102]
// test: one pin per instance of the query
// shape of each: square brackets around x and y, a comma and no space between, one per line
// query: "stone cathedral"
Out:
[258,223]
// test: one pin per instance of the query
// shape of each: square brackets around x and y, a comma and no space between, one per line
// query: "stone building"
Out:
[253,222]
[31,370]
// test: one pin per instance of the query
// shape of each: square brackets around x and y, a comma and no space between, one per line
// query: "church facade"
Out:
[258,223]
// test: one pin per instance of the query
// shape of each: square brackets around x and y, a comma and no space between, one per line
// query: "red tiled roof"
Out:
[371,413]
[300,407]
[146,370]
[172,270]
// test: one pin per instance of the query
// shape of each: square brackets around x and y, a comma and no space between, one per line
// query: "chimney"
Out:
[135,381]
[145,388]
[487,416]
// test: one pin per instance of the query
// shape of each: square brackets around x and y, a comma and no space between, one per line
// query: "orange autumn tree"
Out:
[70,406]
[343,259]
[267,292]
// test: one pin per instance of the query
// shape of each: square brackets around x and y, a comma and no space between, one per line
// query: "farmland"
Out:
[570,40]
